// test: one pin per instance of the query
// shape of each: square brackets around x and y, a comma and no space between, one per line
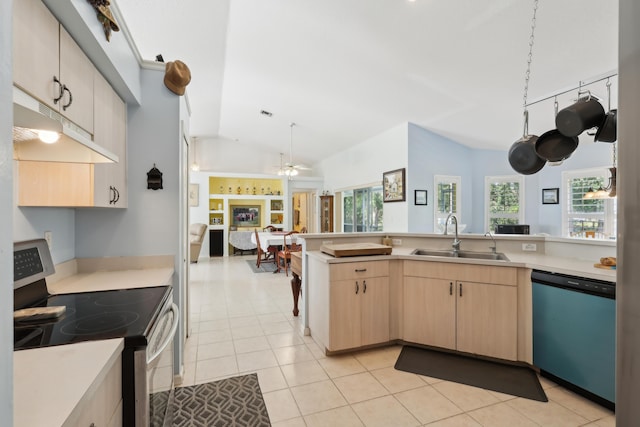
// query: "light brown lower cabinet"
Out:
[360,313]
[102,406]
[349,303]
[462,312]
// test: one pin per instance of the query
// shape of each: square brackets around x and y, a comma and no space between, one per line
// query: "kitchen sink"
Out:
[494,256]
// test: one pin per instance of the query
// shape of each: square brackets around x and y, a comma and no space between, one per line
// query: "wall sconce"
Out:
[610,190]
[154,179]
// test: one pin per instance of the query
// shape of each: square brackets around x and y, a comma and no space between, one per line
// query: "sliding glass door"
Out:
[362,209]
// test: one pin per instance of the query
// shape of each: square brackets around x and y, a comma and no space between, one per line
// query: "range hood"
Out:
[74,146]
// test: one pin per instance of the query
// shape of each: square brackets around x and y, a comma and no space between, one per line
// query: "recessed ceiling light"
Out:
[266,113]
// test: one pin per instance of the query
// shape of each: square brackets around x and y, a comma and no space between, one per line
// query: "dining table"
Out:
[272,238]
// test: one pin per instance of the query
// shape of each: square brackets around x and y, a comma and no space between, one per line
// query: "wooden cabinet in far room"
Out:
[468,308]
[326,214]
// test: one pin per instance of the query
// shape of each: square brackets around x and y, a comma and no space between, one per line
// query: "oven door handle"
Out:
[169,339]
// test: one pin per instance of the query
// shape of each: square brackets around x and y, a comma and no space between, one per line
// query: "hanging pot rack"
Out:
[580,86]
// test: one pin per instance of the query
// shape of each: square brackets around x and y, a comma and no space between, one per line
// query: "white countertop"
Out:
[50,382]
[551,263]
[108,280]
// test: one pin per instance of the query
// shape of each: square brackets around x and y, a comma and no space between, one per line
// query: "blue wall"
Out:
[432,154]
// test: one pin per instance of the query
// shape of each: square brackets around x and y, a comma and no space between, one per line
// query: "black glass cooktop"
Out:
[128,313]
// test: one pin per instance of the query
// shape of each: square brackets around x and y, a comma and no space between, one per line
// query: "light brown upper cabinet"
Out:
[110,179]
[49,65]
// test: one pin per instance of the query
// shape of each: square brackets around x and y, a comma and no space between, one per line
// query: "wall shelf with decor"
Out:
[245,204]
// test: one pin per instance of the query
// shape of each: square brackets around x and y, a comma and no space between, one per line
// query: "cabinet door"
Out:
[374,310]
[487,319]
[54,184]
[430,312]
[35,50]
[345,330]
[76,73]
[110,133]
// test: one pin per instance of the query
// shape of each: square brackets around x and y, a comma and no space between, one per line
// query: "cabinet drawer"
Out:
[462,272]
[359,270]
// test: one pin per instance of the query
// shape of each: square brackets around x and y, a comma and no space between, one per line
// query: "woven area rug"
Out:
[230,402]
[510,379]
[265,267]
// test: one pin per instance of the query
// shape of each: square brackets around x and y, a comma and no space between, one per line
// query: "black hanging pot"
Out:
[522,154]
[585,114]
[553,146]
[607,132]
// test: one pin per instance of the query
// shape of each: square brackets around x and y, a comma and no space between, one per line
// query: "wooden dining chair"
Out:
[268,255]
[284,254]
[269,228]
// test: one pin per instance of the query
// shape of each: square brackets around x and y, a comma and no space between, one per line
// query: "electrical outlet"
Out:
[531,247]
[397,242]
[327,242]
[48,236]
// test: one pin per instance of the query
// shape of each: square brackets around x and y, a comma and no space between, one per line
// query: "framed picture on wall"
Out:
[245,216]
[550,196]
[393,186]
[420,197]
[194,194]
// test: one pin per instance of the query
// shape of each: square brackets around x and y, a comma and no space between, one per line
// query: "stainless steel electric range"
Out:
[146,318]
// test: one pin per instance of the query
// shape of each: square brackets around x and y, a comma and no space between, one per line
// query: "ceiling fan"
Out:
[289,168]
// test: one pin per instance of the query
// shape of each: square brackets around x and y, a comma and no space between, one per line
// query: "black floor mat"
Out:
[515,380]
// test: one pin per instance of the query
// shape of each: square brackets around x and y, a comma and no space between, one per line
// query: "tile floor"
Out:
[242,322]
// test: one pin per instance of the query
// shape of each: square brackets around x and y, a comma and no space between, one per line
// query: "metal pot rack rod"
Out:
[582,84]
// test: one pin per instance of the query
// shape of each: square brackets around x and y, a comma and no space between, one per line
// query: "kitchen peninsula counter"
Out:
[52,384]
[574,257]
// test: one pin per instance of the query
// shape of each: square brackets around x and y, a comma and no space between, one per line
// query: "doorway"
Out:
[301,208]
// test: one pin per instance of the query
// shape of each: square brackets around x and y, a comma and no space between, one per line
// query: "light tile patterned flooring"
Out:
[242,322]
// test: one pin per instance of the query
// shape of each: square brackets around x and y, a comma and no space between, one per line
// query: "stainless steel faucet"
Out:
[493,248]
[456,241]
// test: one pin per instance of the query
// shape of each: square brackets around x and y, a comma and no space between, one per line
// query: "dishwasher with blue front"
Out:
[574,333]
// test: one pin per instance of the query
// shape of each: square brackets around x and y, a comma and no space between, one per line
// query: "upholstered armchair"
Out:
[196,237]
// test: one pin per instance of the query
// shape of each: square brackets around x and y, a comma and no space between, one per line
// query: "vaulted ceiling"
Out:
[346,70]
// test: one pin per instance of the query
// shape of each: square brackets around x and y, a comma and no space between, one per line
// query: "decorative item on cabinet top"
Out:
[105,17]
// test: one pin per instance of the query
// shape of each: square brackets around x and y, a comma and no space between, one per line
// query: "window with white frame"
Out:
[447,199]
[587,217]
[504,200]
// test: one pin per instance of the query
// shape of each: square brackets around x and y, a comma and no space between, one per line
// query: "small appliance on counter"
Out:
[146,318]
[512,229]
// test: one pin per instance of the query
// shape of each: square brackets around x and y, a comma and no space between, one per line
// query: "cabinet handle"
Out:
[450,288]
[112,194]
[357,287]
[60,90]
[360,270]
[65,106]
[460,289]
[117,195]
[364,283]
